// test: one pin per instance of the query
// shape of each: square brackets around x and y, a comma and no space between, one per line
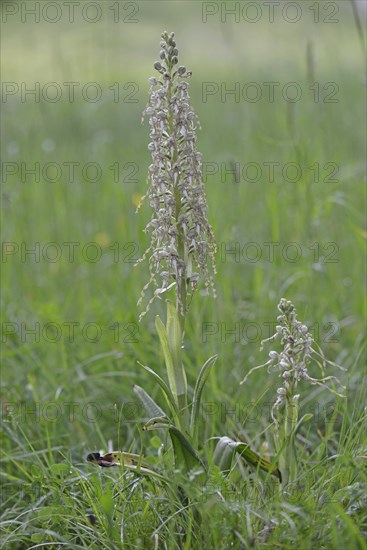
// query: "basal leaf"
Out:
[150,406]
[226,449]
[199,386]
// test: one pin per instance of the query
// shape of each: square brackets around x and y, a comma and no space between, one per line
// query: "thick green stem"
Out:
[181,305]
[182,292]
[181,250]
[290,423]
[285,439]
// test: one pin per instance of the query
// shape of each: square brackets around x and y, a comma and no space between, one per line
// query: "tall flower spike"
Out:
[292,362]
[182,243]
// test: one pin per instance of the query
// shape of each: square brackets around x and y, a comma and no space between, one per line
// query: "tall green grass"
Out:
[62,400]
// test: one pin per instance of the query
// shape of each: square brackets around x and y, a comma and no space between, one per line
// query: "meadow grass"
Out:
[65,395]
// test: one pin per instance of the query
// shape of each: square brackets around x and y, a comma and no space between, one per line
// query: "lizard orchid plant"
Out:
[181,255]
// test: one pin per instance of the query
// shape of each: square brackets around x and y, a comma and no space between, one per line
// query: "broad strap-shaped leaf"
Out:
[199,386]
[186,457]
[150,406]
[165,389]
[223,454]
[162,333]
[226,449]
[174,336]
[175,373]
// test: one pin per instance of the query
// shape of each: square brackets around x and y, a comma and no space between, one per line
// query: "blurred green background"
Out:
[96,362]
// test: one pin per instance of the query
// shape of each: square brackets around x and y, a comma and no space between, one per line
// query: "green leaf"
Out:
[170,340]
[60,470]
[305,418]
[50,511]
[155,442]
[150,406]
[36,472]
[166,391]
[186,458]
[162,333]
[174,336]
[38,537]
[225,452]
[199,386]
[255,460]
[106,501]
